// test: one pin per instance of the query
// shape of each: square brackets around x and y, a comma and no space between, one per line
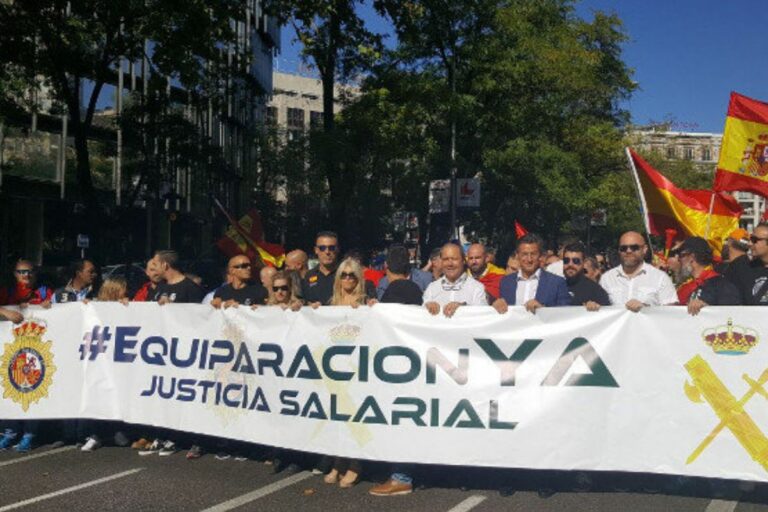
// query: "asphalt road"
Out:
[117,479]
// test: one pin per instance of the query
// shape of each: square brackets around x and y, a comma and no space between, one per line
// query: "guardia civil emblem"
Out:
[27,365]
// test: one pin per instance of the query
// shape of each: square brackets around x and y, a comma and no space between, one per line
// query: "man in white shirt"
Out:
[455,288]
[635,283]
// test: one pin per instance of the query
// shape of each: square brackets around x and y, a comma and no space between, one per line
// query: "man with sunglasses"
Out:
[583,291]
[25,290]
[702,286]
[754,283]
[634,283]
[239,290]
[317,285]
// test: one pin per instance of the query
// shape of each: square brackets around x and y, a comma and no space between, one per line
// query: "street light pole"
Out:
[454,170]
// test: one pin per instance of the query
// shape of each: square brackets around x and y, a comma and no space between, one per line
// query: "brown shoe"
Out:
[141,444]
[391,488]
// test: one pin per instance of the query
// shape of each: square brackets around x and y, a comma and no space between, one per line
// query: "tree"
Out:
[336,41]
[64,46]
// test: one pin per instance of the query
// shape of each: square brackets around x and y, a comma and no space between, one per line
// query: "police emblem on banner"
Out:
[27,365]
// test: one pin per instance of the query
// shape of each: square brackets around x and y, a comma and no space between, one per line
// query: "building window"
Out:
[688,153]
[706,154]
[296,118]
[315,119]
[271,118]
[671,152]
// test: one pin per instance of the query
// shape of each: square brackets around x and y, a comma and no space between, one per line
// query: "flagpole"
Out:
[709,215]
[640,196]
[239,229]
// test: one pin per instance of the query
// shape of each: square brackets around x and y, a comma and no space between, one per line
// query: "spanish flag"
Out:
[247,237]
[743,163]
[686,211]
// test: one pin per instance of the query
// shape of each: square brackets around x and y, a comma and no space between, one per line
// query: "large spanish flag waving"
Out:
[247,237]
[743,163]
[686,211]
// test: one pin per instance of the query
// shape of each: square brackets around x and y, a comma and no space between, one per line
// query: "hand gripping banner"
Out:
[658,391]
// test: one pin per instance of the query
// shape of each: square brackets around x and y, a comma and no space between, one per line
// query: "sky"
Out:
[687,56]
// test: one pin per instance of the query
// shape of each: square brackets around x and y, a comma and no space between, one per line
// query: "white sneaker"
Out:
[152,448]
[169,448]
[92,443]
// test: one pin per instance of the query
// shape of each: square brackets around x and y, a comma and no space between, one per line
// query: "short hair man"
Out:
[456,288]
[754,283]
[592,269]
[435,264]
[317,285]
[297,260]
[400,289]
[239,288]
[83,274]
[176,287]
[583,291]
[420,277]
[147,291]
[488,274]
[25,289]
[513,265]
[704,286]
[634,283]
[736,268]
[531,286]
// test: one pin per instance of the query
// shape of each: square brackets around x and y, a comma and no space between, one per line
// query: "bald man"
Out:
[479,267]
[297,260]
[455,288]
[635,283]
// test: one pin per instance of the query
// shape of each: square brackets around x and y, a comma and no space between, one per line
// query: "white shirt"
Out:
[526,288]
[465,289]
[556,268]
[650,286]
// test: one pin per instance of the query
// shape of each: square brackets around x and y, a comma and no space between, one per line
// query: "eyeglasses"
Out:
[575,261]
[280,288]
[25,272]
[631,247]
[242,266]
[754,239]
[324,248]
[348,275]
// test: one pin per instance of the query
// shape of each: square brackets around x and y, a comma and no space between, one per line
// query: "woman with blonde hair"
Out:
[285,290]
[113,289]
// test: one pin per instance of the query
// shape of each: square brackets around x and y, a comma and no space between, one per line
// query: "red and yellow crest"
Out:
[27,365]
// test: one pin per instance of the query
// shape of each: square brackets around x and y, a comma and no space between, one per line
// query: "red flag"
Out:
[520,231]
[246,236]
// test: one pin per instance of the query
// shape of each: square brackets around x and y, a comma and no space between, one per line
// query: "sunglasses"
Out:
[25,272]
[754,239]
[348,275]
[631,247]
[280,288]
[242,266]
[324,248]
[575,261]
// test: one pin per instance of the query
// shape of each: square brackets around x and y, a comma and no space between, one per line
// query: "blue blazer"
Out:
[552,290]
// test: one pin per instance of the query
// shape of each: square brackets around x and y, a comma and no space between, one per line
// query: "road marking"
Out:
[37,455]
[48,496]
[468,504]
[258,493]
[721,506]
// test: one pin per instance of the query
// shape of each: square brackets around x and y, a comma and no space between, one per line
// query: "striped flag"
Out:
[686,211]
[743,163]
[246,237]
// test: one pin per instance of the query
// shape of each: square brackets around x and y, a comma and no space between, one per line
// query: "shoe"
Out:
[169,448]
[391,488]
[222,456]
[152,448]
[239,457]
[350,479]
[9,436]
[25,444]
[121,440]
[317,471]
[141,444]
[194,453]
[332,477]
[91,443]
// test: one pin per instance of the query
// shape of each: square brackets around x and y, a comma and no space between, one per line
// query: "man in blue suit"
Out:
[531,286]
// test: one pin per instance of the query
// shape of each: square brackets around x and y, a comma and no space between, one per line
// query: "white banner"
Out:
[658,391]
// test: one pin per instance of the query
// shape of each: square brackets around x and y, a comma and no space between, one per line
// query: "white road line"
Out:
[48,496]
[37,455]
[721,506]
[258,493]
[466,505]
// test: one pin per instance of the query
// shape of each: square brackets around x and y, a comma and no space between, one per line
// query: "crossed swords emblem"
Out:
[730,410]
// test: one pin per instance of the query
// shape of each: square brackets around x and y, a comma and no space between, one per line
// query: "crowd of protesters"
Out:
[686,274]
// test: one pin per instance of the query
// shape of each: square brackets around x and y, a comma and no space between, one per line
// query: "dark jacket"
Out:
[552,290]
